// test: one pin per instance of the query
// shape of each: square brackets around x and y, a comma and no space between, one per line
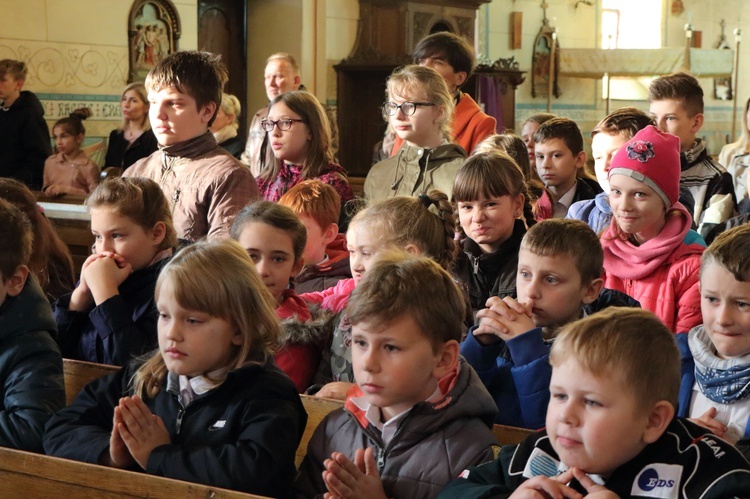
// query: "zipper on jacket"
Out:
[475,263]
[178,425]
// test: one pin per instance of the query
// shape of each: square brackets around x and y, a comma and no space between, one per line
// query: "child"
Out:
[274,238]
[529,128]
[716,354]
[31,373]
[24,136]
[419,107]
[134,139]
[70,171]
[300,135]
[204,184]
[318,205]
[676,104]
[209,406]
[650,253]
[735,157]
[418,412]
[611,430]
[558,281]
[514,147]
[558,145]
[111,315]
[492,203]
[607,137]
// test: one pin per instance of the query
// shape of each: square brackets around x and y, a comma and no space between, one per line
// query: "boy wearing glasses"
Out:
[205,185]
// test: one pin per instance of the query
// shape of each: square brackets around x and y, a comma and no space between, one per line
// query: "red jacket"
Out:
[299,360]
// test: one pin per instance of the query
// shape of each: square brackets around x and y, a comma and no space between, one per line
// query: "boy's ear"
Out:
[17,280]
[658,419]
[592,291]
[460,78]
[330,233]
[581,159]
[207,112]
[697,123]
[448,358]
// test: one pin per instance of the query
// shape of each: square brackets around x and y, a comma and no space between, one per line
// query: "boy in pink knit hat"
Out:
[650,253]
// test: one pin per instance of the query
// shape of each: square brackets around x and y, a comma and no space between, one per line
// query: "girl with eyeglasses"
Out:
[418,107]
[300,136]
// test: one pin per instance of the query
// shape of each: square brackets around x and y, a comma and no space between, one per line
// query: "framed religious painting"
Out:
[153,33]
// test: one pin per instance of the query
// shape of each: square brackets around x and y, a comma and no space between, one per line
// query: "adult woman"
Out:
[735,157]
[225,125]
[134,139]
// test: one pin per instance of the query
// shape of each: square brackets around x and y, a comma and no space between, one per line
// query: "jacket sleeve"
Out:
[309,481]
[489,480]
[688,314]
[229,195]
[687,375]
[486,127]
[35,144]
[69,325]
[124,334]
[33,390]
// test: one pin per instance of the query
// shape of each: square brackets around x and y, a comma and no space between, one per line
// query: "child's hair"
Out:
[681,86]
[492,174]
[16,239]
[201,75]
[237,295]
[451,48]
[401,284]
[285,57]
[16,69]
[512,145]
[564,129]
[138,198]
[140,89]
[315,199]
[427,221]
[628,344]
[743,143]
[539,119]
[730,249]
[73,123]
[275,215]
[569,237]
[319,151]
[231,105]
[50,259]
[626,122]
[413,79]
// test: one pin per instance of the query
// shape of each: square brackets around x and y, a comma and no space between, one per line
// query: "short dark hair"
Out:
[680,86]
[564,129]
[275,215]
[16,239]
[453,49]
[730,250]
[626,121]
[16,69]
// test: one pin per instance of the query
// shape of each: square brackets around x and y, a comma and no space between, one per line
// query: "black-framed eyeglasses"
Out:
[284,124]
[408,107]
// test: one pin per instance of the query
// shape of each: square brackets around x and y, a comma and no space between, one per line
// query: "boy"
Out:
[326,258]
[558,146]
[205,185]
[24,136]
[31,373]
[716,354]
[676,105]
[610,424]
[559,279]
[417,411]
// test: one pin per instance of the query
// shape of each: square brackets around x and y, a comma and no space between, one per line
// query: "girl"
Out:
[490,195]
[50,260]
[111,315]
[735,157]
[419,107]
[528,129]
[225,125]
[274,238]
[70,171]
[134,139]
[209,406]
[513,146]
[650,253]
[300,135]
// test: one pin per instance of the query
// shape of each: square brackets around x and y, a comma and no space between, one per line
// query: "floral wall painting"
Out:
[153,33]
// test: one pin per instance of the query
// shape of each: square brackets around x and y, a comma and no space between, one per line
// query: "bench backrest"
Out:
[78,374]
[317,409]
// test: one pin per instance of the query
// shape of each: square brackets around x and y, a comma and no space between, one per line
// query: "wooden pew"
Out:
[72,223]
[25,474]
[510,435]
[317,409]
[78,374]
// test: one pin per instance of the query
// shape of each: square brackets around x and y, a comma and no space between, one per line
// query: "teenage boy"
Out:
[205,185]
[24,136]
[611,430]
[326,257]
[31,376]
[676,105]
[417,411]
[452,57]
[559,279]
[558,146]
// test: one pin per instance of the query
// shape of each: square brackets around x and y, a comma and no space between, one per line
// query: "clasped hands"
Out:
[136,432]
[504,318]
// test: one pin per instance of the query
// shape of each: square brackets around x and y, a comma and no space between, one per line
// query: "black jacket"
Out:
[123,154]
[31,370]
[242,435]
[24,141]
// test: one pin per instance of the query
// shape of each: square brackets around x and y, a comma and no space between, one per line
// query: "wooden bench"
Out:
[25,474]
[78,374]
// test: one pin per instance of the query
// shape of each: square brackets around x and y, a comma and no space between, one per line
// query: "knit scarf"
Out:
[723,381]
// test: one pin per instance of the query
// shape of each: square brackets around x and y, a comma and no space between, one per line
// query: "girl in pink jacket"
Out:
[650,253]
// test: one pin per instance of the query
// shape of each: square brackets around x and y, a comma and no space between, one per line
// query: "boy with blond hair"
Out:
[611,430]
[326,257]
[205,185]
[417,411]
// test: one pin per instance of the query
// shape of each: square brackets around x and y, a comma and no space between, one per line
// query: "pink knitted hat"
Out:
[651,157]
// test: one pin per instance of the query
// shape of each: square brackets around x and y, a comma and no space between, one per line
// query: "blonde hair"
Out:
[140,89]
[283,56]
[237,296]
[628,344]
[413,79]
[231,105]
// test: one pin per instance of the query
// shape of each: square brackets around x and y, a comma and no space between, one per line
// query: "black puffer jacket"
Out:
[24,141]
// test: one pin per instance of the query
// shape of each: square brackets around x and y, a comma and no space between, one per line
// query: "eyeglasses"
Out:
[408,107]
[283,125]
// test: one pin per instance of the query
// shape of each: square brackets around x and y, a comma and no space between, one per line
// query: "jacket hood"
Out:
[28,100]
[29,311]
[313,331]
